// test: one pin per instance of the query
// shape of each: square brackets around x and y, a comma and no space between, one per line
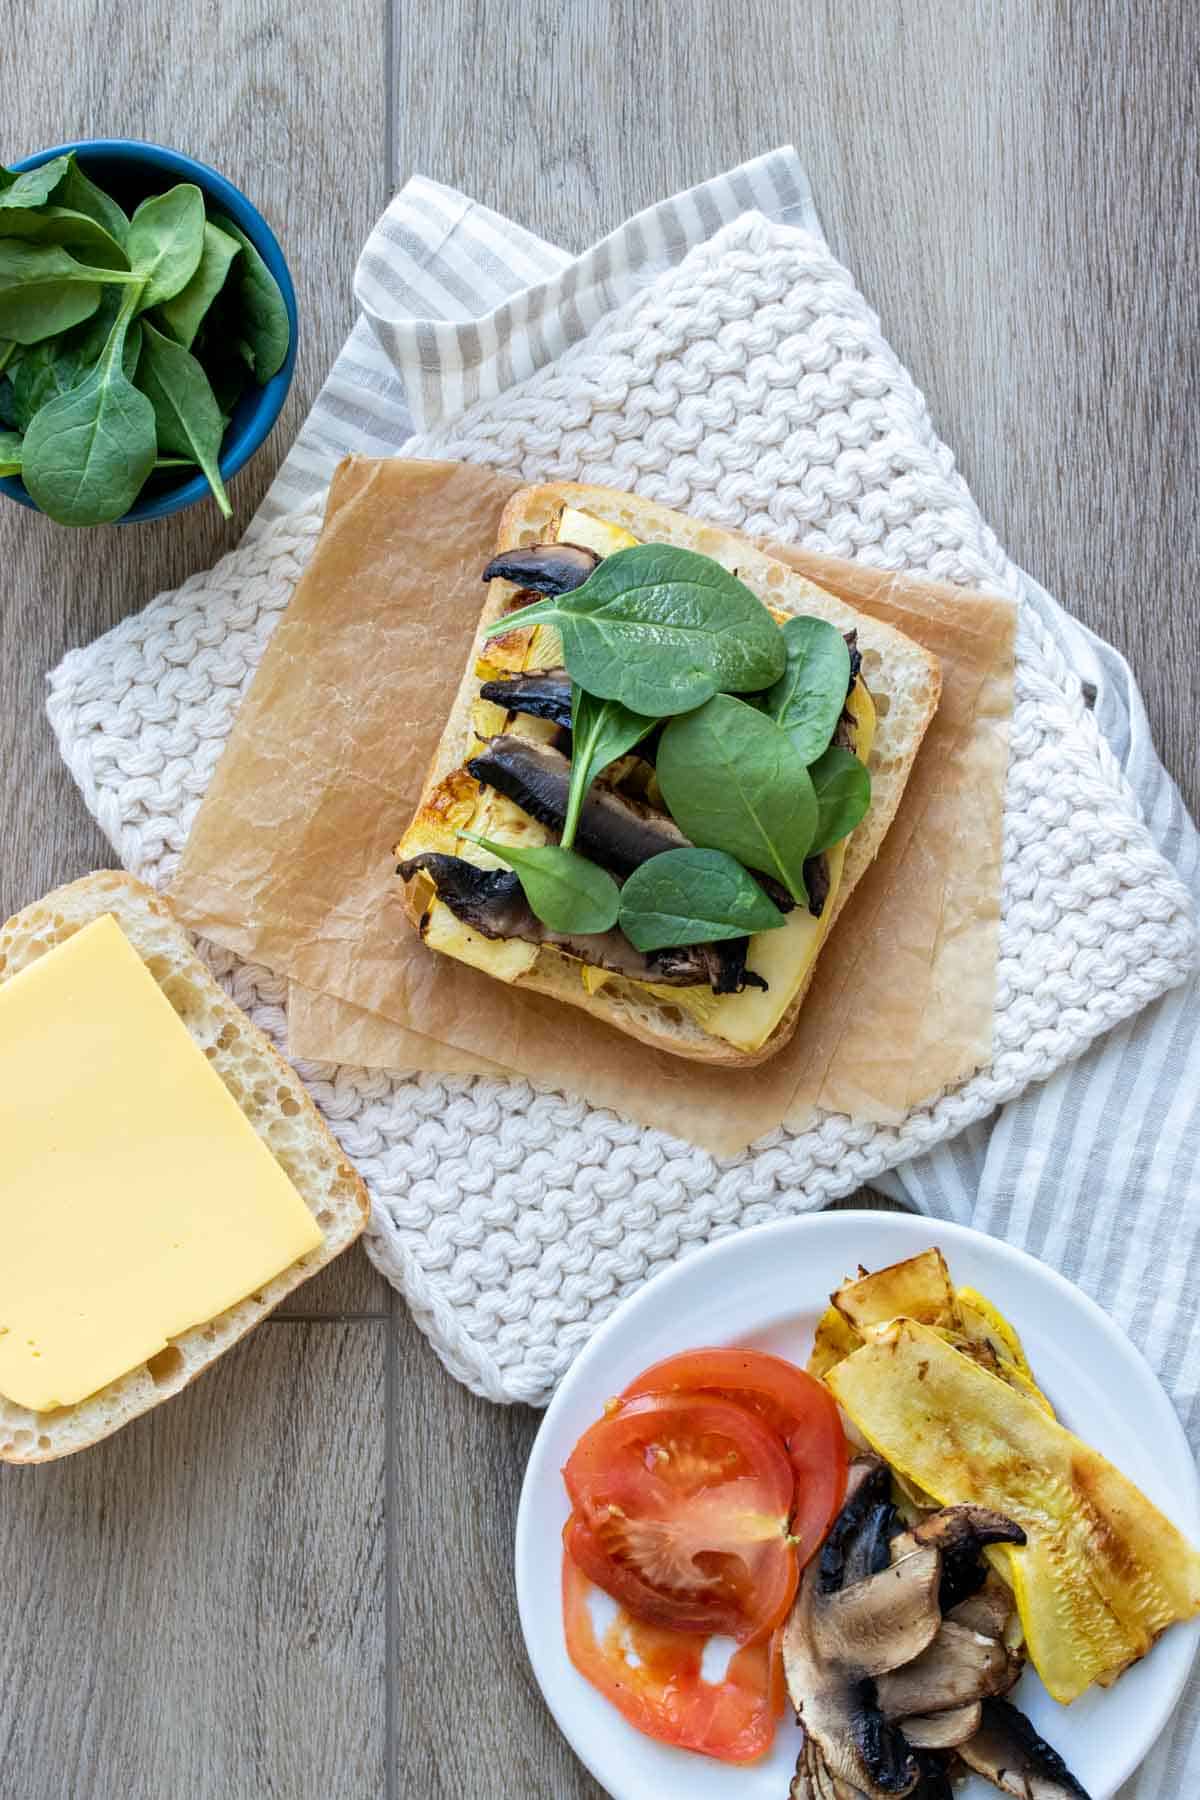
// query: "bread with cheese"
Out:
[269,1093]
[892,705]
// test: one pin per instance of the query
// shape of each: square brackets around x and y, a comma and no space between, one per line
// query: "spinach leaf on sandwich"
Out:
[808,698]
[842,786]
[661,630]
[733,780]
[693,897]
[601,731]
[565,890]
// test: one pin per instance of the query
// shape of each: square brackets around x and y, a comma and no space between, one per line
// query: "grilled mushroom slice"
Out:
[616,832]
[961,1533]
[883,1622]
[1009,1752]
[990,1610]
[813,1780]
[944,1730]
[492,902]
[546,568]
[839,1637]
[959,1666]
[542,693]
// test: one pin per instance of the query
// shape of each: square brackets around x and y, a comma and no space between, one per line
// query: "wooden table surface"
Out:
[295,1580]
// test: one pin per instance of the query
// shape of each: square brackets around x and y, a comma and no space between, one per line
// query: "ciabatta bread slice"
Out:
[903,679]
[269,1093]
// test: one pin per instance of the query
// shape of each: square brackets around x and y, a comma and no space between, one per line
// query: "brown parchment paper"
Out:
[290,861]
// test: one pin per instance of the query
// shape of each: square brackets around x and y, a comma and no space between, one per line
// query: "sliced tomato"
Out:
[790,1402]
[654,1677]
[681,1507]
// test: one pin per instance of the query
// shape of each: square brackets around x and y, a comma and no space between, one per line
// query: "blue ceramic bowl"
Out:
[130,171]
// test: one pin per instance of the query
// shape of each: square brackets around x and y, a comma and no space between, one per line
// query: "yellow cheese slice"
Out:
[136,1199]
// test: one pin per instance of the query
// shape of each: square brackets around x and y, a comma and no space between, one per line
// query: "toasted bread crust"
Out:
[898,665]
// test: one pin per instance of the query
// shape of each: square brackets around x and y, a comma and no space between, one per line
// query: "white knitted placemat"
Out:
[749,385]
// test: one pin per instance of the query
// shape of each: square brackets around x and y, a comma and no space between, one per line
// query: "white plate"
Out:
[767,1288]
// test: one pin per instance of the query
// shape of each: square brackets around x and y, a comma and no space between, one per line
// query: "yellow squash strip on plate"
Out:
[919,1288]
[1103,1573]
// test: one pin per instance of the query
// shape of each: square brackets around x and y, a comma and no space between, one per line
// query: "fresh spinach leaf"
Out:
[601,731]
[7,351]
[661,630]
[52,368]
[44,290]
[82,195]
[228,381]
[566,891]
[59,225]
[693,897]
[843,788]
[733,780]
[35,186]
[181,317]
[87,454]
[86,341]
[8,415]
[808,698]
[186,414]
[166,242]
[10,453]
[43,373]
[262,311]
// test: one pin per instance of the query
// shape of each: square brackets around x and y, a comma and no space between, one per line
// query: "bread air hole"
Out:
[883,705]
[166,1365]
[21,1440]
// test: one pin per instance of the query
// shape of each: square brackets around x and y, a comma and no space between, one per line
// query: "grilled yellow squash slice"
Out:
[918,1288]
[1103,1573]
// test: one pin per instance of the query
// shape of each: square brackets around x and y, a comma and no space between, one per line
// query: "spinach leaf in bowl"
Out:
[187,419]
[10,453]
[45,290]
[166,242]
[59,225]
[33,186]
[82,195]
[87,454]
[182,317]
[266,328]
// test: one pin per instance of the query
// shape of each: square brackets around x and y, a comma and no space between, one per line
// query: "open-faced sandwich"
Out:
[670,761]
[891,1537]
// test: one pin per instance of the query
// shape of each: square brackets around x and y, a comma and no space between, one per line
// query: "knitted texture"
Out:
[750,386]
